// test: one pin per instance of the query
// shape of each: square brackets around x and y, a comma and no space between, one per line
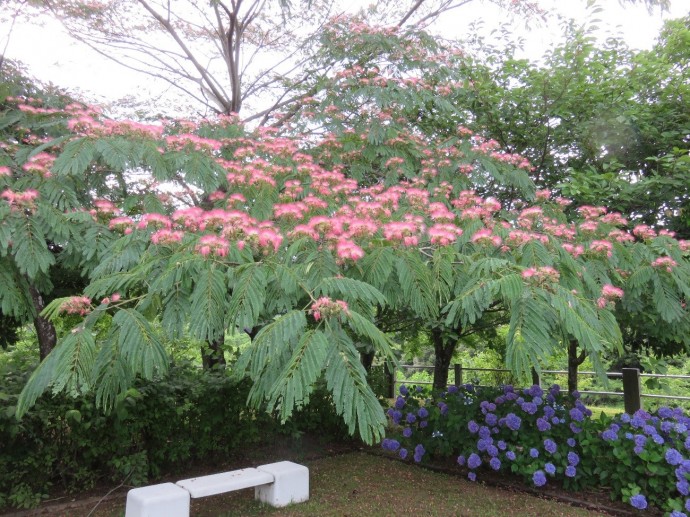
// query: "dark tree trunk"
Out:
[47,336]
[443,355]
[212,354]
[367,359]
[574,360]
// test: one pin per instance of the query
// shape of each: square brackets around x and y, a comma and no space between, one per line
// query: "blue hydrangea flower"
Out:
[550,446]
[390,445]
[683,487]
[543,425]
[570,471]
[638,449]
[492,450]
[575,429]
[495,463]
[419,453]
[491,419]
[453,389]
[609,435]
[665,412]
[482,444]
[658,439]
[443,407]
[423,423]
[534,452]
[573,458]
[673,457]
[539,478]
[399,403]
[571,442]
[549,411]
[472,476]
[550,468]
[403,453]
[410,418]
[461,460]
[474,461]
[472,426]
[529,407]
[629,436]
[676,513]
[513,421]
[423,412]
[687,505]
[501,445]
[625,418]
[407,432]
[649,429]
[538,401]
[510,455]
[403,390]
[577,415]
[535,391]
[638,501]
[484,432]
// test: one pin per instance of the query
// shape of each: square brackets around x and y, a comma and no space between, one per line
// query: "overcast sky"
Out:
[52,56]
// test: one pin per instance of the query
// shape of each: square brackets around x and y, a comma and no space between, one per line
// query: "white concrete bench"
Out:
[277,484]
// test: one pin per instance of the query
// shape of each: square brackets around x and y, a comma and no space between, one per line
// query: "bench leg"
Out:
[290,485]
[164,500]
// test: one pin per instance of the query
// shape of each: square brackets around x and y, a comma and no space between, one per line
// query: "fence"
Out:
[632,382]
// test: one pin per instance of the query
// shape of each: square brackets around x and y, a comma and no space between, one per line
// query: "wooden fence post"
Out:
[631,390]
[458,374]
[535,378]
[390,378]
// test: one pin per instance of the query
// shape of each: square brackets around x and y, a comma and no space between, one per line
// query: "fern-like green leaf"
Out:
[417,285]
[353,398]
[248,296]
[139,344]
[349,290]
[207,319]
[75,157]
[296,382]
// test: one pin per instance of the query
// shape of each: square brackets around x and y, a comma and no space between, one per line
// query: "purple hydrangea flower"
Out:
[676,513]
[537,400]
[673,457]
[474,461]
[539,478]
[495,463]
[638,501]
[687,505]
[491,419]
[535,391]
[609,435]
[649,429]
[571,442]
[683,487]
[423,423]
[577,415]
[575,429]
[665,412]
[419,453]
[473,426]
[513,421]
[543,425]
[403,453]
[534,452]
[529,407]
[399,403]
[510,455]
[443,407]
[573,458]
[407,432]
[500,400]
[638,449]
[423,412]
[482,444]
[390,444]
[550,445]
[462,460]
[570,471]
[492,451]
[549,411]
[658,439]
[453,389]
[484,432]
[403,390]
[625,418]
[472,476]
[501,445]
[550,468]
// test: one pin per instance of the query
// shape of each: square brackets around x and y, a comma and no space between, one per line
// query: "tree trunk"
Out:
[443,355]
[574,361]
[45,331]
[367,359]
[212,354]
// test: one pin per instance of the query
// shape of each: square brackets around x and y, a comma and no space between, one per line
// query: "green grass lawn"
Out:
[359,484]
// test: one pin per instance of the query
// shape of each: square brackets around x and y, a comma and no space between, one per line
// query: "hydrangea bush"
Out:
[547,436]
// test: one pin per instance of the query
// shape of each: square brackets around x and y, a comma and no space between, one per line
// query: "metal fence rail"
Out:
[631,377]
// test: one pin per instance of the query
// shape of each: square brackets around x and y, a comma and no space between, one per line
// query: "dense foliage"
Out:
[546,436]
[155,428]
